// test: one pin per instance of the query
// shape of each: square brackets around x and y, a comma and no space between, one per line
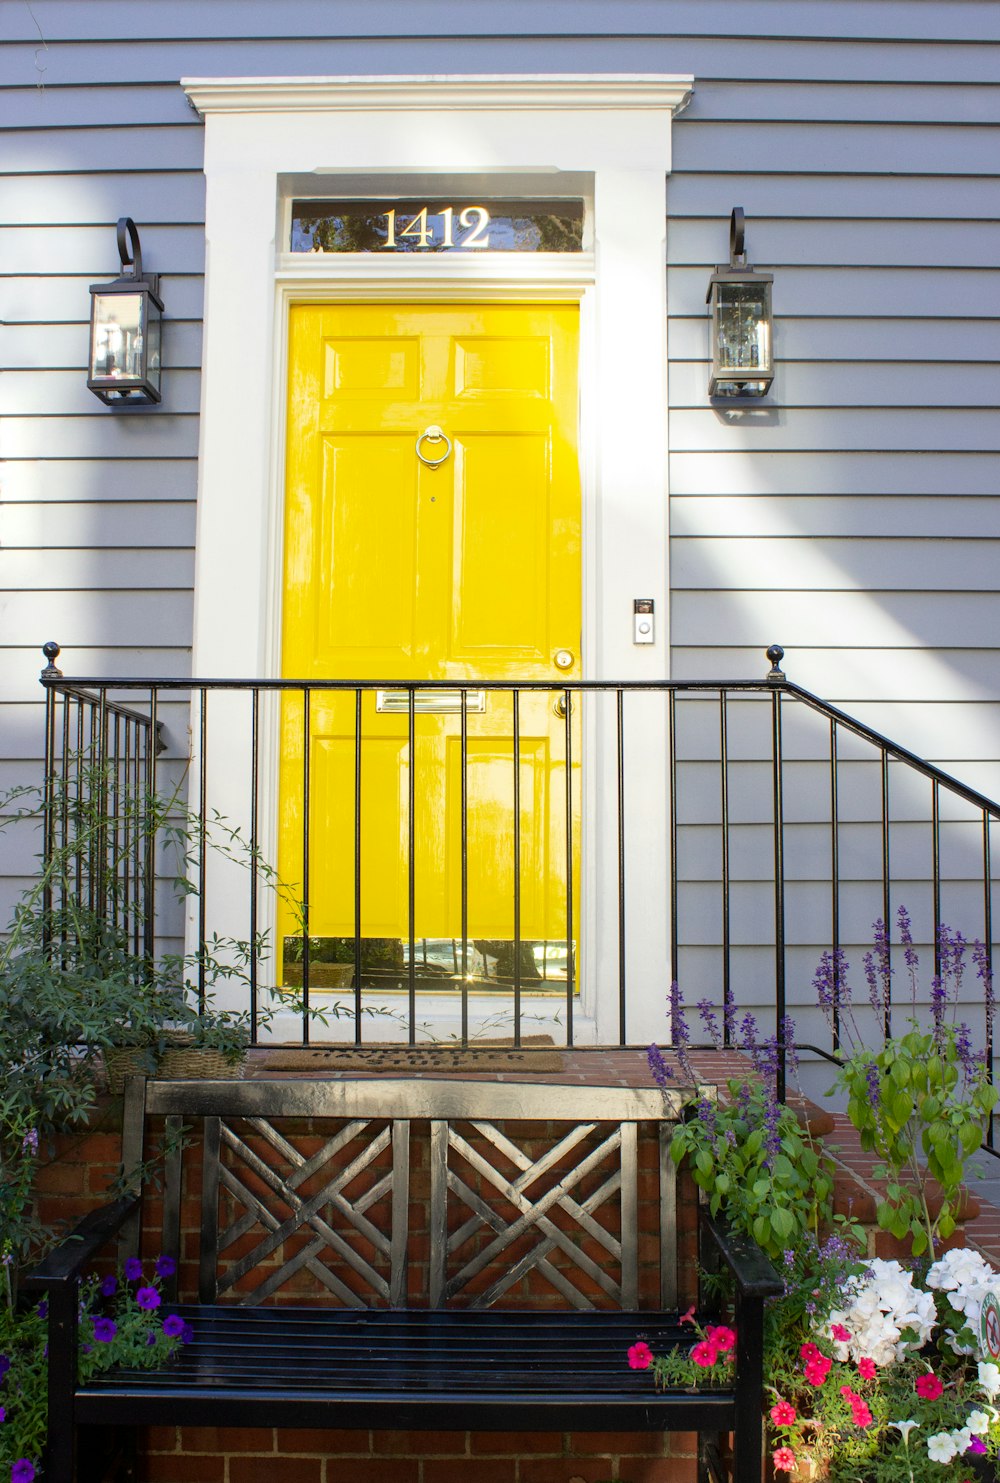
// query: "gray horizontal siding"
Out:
[965,341]
[894,20]
[752,471]
[853,383]
[739,58]
[852,517]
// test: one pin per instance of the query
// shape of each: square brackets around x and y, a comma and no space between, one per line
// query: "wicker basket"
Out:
[180,1062]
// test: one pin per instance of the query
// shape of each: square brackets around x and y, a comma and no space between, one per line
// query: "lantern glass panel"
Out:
[743,328]
[116,351]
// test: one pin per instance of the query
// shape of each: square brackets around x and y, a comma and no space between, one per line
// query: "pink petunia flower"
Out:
[817,1370]
[687,1317]
[723,1338]
[860,1414]
[783,1414]
[866,1369]
[784,1459]
[842,1335]
[640,1356]
[809,1351]
[929,1387]
[705,1354]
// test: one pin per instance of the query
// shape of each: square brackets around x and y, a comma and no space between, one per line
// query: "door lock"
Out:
[563,659]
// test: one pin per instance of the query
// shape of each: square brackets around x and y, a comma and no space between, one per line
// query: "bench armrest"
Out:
[754,1274]
[94,1231]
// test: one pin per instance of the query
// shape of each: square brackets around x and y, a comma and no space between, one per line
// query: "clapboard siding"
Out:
[855,384]
[62,20]
[853,516]
[964,341]
[737,58]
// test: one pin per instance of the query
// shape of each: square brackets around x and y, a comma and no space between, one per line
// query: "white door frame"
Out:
[615,129]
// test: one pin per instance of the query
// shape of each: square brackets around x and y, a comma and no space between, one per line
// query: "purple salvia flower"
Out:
[658,1066]
[939,1003]
[706,1011]
[729,1018]
[29,1144]
[874,1085]
[706,1112]
[909,952]
[963,1050]
[772,1138]
[679,1033]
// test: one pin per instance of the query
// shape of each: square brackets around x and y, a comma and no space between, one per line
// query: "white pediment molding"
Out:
[563,92]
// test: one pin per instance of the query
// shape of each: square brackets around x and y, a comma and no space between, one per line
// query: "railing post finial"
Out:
[51,652]
[776,654]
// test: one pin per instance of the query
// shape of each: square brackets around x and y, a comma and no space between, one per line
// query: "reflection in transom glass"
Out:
[489,964]
[437,226]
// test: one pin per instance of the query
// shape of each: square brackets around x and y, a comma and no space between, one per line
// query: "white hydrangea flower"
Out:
[989,1379]
[940,1447]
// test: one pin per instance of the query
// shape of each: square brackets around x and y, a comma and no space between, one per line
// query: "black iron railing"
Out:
[772,825]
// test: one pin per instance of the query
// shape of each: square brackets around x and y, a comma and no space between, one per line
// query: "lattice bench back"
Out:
[420,1193]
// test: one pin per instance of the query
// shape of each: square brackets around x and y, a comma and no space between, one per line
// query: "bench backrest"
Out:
[418,1192]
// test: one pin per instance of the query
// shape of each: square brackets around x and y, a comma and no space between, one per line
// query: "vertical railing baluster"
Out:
[779,888]
[936,872]
[463,761]
[411,864]
[149,767]
[727,984]
[674,894]
[254,852]
[570,966]
[516,702]
[78,766]
[64,810]
[357,865]
[835,881]
[886,884]
[620,767]
[48,804]
[988,964]
[202,849]
[306,852]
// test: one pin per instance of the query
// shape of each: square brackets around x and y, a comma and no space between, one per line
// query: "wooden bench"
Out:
[417,1207]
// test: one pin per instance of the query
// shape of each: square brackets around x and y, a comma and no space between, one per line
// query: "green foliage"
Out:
[137,1339]
[758,1163]
[920,1104]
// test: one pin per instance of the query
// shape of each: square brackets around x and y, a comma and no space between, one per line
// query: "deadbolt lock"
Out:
[563,659]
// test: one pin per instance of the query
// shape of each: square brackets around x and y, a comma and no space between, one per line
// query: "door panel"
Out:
[395,571]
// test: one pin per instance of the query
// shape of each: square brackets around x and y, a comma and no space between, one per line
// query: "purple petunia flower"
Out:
[133,1269]
[23,1471]
[43,1308]
[104,1330]
[148,1298]
[150,1339]
[977,1445]
[4,1365]
[173,1326]
[165,1266]
[3,1414]
[109,1287]
[187,1334]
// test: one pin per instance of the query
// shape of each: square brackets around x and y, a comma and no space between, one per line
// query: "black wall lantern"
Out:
[742,324]
[125,322]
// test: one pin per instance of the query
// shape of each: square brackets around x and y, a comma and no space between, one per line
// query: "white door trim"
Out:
[614,128]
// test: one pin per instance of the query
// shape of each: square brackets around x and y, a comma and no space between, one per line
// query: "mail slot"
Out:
[429,702]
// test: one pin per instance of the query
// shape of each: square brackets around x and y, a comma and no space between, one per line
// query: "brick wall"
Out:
[222,1455]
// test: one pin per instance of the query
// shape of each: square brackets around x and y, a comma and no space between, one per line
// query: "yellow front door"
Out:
[451,556]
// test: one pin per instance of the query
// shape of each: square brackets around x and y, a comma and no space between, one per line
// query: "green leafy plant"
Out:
[121,1322]
[920,1101]
[752,1155]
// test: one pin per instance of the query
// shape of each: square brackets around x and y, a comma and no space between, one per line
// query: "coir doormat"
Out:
[535,1053]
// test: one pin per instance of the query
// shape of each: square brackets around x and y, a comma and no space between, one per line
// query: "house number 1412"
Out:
[474,220]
